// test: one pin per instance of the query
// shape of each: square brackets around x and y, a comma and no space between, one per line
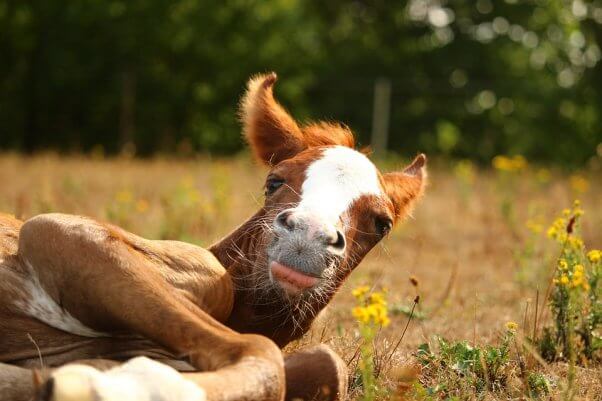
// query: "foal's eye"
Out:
[272,184]
[383,225]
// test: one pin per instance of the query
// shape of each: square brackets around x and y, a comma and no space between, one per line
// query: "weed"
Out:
[575,295]
[371,314]
[458,366]
[538,385]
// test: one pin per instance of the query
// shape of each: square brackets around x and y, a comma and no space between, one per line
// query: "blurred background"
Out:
[461,79]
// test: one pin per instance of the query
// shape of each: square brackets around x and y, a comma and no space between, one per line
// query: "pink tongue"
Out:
[282,272]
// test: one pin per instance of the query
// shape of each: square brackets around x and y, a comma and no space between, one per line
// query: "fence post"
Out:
[381,115]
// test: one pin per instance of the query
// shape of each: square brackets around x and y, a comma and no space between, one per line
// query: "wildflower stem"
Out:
[416,300]
[551,284]
[525,318]
[536,315]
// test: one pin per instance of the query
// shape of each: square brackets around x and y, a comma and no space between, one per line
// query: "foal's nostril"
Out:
[284,219]
[339,243]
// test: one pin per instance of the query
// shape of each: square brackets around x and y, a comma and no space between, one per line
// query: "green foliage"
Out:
[459,366]
[469,79]
[538,385]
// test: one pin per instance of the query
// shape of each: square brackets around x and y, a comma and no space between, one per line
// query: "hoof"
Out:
[316,373]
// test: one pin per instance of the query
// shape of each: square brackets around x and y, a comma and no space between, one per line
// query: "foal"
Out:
[89,290]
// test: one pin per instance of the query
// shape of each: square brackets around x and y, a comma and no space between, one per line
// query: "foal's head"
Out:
[326,204]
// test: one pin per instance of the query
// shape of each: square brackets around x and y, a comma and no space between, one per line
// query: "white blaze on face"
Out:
[335,181]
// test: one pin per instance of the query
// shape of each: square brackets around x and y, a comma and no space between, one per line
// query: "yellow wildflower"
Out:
[373,309]
[557,230]
[564,279]
[577,275]
[377,298]
[509,164]
[361,314]
[360,291]
[378,312]
[594,255]
[562,265]
[512,326]
[575,242]
[577,211]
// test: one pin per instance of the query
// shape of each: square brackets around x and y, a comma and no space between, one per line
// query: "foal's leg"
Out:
[109,286]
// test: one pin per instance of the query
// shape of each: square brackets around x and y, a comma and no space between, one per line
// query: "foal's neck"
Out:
[238,253]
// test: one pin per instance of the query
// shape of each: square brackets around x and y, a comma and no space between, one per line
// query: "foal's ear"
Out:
[406,187]
[271,132]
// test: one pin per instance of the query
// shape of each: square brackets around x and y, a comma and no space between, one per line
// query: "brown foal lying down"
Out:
[196,323]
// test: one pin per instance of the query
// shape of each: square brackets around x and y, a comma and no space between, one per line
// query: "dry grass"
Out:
[458,244]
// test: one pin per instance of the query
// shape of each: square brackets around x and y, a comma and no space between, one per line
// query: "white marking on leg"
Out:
[40,305]
[335,181]
[139,379]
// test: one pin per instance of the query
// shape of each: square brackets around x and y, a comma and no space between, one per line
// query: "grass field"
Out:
[476,250]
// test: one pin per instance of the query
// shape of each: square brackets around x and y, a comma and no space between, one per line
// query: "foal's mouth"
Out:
[292,281]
